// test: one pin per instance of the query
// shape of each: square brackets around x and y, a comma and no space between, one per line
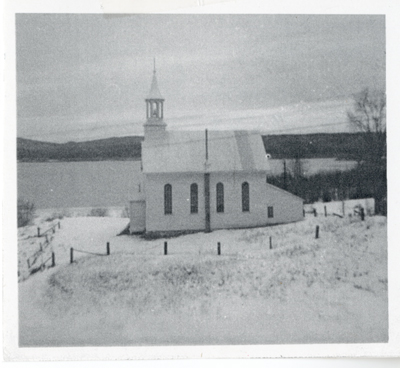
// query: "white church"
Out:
[204,180]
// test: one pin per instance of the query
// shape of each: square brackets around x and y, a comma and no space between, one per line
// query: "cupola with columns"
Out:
[155,125]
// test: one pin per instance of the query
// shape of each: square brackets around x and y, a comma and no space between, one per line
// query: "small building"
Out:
[204,180]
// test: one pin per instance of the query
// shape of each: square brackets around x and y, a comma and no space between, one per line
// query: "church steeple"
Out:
[154,93]
[154,109]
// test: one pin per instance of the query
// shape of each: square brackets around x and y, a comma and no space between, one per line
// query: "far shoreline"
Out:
[82,160]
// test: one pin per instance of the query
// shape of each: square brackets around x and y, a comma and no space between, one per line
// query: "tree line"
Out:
[336,186]
[368,179]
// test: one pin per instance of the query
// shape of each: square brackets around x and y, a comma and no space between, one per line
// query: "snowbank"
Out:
[304,290]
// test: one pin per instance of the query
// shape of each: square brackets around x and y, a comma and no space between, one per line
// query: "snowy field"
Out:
[304,290]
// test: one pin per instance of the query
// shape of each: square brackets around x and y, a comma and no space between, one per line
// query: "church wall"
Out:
[181,218]
[286,207]
[233,216]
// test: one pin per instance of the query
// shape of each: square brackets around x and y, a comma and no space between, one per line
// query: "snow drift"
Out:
[304,290]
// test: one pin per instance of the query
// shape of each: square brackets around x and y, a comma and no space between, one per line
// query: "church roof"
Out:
[228,151]
[154,93]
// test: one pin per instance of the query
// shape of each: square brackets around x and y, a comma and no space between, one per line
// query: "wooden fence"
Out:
[357,211]
[36,262]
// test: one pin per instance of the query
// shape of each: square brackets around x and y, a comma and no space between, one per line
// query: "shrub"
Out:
[26,212]
[56,216]
[98,212]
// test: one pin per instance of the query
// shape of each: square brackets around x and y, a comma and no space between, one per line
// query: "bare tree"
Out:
[369,116]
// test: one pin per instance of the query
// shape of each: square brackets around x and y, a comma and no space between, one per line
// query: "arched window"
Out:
[220,197]
[245,197]
[167,199]
[194,198]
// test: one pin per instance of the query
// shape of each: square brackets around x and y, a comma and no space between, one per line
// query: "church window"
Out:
[270,212]
[194,198]
[167,199]
[245,197]
[220,197]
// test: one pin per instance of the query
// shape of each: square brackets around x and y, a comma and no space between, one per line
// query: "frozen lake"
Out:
[109,183]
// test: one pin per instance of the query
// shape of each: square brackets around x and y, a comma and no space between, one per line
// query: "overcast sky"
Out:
[82,77]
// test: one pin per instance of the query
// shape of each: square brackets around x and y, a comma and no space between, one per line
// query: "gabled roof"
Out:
[228,151]
[154,93]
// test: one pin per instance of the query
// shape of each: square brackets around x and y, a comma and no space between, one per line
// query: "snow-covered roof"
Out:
[154,93]
[228,151]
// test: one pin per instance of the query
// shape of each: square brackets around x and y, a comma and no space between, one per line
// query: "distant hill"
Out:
[124,148]
[340,145]
[318,145]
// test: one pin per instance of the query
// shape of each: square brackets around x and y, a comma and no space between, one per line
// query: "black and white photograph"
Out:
[201,179]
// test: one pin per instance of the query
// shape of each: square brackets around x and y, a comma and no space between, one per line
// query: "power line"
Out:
[237,133]
[248,132]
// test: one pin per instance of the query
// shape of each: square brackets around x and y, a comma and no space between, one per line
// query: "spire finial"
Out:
[154,65]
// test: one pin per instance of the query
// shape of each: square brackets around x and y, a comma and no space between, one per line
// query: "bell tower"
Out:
[155,125]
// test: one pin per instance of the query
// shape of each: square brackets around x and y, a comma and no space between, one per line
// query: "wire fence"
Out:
[165,248]
[31,260]
[357,211]
[72,250]
[52,229]
[40,266]
[35,261]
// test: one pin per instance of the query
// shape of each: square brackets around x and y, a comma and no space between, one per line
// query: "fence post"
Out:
[270,242]
[362,214]
[108,248]
[326,213]
[165,248]
[54,229]
[38,232]
[219,248]
[72,255]
[53,259]
[41,247]
[59,226]
[47,239]
[29,264]
[317,232]
[315,212]
[304,212]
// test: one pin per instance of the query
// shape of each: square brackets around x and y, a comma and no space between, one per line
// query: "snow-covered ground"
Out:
[304,290]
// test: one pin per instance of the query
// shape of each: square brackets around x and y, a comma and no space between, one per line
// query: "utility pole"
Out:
[207,190]
[284,175]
